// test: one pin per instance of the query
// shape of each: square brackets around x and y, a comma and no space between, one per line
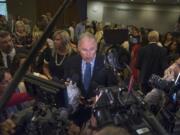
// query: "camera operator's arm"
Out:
[73,129]
[169,72]
[172,71]
[110,129]
[46,70]
[7,127]
[156,97]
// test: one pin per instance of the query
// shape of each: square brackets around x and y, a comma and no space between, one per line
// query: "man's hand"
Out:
[172,71]
[82,100]
[87,102]
[73,129]
[91,101]
[7,127]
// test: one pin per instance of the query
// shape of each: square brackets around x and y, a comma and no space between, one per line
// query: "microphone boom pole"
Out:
[22,70]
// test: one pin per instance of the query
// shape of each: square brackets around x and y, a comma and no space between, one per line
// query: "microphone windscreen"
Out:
[63,114]
[154,97]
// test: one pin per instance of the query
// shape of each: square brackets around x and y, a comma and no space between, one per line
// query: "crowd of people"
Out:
[79,50]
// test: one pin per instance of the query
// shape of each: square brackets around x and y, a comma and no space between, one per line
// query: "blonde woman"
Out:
[21,36]
[55,57]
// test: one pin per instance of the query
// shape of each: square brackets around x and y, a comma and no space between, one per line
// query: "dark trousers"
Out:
[145,88]
[81,116]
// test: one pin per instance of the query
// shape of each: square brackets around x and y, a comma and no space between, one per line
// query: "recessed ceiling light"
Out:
[132,0]
[154,0]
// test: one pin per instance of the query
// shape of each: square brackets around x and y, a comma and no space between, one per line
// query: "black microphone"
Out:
[75,78]
[155,96]
[64,113]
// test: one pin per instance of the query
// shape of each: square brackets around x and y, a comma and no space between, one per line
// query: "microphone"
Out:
[75,78]
[154,96]
[73,92]
[64,113]
[155,99]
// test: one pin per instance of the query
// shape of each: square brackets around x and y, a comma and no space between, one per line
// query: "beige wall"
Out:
[32,9]
[25,8]
[161,17]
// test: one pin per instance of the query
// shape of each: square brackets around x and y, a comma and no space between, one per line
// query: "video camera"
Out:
[167,111]
[50,112]
[47,91]
[116,36]
[171,88]
[116,56]
[117,106]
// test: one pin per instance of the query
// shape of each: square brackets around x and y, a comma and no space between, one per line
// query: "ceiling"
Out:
[172,2]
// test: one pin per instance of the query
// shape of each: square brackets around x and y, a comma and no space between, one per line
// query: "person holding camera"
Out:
[14,104]
[170,74]
[7,127]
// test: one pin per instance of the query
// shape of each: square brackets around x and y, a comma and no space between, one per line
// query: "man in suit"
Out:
[79,29]
[7,50]
[89,71]
[152,59]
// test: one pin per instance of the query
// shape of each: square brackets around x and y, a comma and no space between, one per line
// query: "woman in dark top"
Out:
[55,58]
[173,52]
[168,40]
[21,38]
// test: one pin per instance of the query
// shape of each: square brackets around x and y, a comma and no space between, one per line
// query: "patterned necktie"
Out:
[8,61]
[87,76]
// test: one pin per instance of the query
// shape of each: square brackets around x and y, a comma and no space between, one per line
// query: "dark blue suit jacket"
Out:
[152,59]
[101,75]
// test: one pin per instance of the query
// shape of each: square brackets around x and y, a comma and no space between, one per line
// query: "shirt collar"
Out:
[92,62]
